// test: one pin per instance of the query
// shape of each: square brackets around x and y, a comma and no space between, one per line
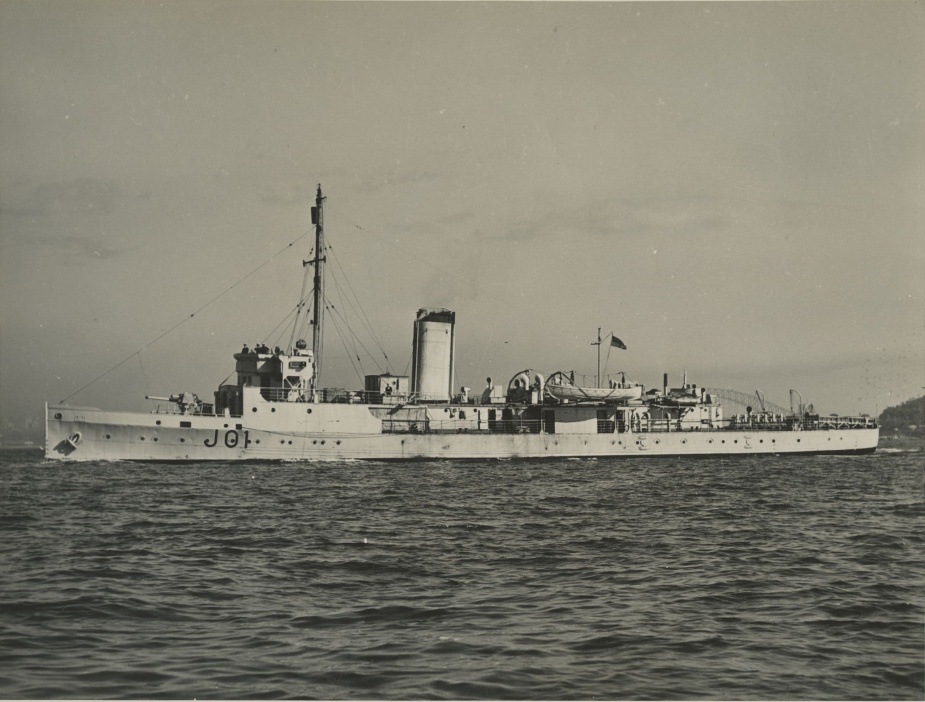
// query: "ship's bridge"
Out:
[281,377]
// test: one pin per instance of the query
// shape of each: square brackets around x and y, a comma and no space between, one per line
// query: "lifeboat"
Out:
[561,387]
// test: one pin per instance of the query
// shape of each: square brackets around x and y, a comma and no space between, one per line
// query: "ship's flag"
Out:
[614,341]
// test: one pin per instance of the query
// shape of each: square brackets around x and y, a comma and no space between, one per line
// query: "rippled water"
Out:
[759,578]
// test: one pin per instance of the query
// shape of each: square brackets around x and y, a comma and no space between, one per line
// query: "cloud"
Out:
[82,247]
[456,223]
[629,217]
[391,178]
[32,213]
[77,196]
[72,246]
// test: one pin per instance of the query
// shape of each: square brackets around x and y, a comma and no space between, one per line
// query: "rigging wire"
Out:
[440,269]
[346,303]
[358,308]
[295,325]
[281,331]
[347,340]
[353,336]
[185,319]
[343,343]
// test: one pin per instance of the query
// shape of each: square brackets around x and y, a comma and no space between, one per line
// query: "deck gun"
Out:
[186,402]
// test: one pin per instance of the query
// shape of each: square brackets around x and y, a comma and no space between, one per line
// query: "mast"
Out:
[598,344]
[318,287]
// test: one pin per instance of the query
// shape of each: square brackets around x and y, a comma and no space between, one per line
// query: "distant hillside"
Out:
[907,419]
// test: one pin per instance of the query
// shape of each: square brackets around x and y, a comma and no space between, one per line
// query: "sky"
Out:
[734,189]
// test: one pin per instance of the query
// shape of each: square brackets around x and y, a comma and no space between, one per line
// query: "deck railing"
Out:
[333,395]
[778,422]
[500,426]
[752,423]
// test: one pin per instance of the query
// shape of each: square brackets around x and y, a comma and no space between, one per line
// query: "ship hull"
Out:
[343,433]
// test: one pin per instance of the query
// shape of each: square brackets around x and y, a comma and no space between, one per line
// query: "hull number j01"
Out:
[231,439]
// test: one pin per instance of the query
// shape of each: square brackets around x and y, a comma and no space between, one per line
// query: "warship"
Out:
[276,409]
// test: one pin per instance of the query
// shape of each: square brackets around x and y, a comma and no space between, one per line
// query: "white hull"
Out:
[331,434]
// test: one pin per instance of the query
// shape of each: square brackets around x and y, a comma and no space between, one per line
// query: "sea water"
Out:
[744,578]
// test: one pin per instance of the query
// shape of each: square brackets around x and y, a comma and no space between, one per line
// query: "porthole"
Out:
[338,442]
[57,415]
[155,439]
[736,441]
[282,442]
[256,441]
[309,410]
[798,441]
[182,440]
[108,436]
[253,409]
[710,441]
[760,441]
[290,443]
[724,441]
[322,442]
[683,441]
[225,425]
[272,409]
[158,422]
[142,438]
[315,441]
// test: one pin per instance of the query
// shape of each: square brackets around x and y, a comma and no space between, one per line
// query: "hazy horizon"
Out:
[734,189]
